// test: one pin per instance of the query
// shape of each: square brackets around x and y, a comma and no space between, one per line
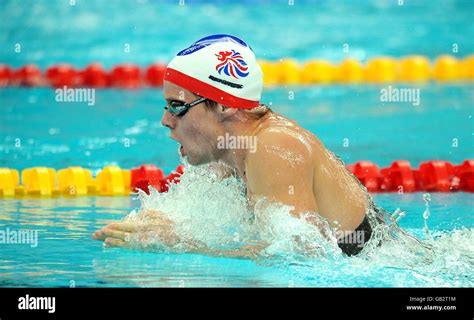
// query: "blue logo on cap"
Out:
[232,64]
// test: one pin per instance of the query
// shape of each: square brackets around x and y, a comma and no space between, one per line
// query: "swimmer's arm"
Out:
[132,235]
[282,171]
[115,235]
[120,233]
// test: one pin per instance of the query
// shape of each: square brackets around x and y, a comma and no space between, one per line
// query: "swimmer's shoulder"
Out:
[282,138]
[277,152]
[284,132]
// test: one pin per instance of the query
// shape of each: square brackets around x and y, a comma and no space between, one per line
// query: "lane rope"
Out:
[400,177]
[411,69]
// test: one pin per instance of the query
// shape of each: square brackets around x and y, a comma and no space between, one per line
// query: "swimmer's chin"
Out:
[188,159]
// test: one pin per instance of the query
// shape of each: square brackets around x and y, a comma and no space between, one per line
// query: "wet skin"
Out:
[290,165]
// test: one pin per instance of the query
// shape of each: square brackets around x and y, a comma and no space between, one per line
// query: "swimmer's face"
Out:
[196,131]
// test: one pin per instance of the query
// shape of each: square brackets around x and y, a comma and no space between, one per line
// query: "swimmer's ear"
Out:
[224,112]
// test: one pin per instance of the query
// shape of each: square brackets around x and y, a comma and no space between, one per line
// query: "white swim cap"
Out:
[221,68]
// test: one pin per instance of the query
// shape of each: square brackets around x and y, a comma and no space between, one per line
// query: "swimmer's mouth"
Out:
[181,150]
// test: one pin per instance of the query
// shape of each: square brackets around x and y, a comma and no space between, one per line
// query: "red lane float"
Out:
[368,174]
[28,75]
[146,175]
[149,175]
[155,74]
[434,175]
[95,76]
[62,75]
[464,176]
[173,177]
[125,76]
[399,176]
[6,74]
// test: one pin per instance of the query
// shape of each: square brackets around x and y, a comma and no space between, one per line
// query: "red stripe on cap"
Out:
[206,90]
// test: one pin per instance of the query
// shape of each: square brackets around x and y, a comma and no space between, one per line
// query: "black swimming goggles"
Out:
[179,108]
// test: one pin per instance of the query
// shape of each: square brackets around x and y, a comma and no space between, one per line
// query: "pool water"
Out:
[123,128]
[67,256]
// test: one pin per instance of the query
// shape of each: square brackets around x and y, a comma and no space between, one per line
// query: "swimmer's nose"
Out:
[168,120]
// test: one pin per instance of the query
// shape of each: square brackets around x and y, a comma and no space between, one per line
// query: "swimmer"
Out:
[212,90]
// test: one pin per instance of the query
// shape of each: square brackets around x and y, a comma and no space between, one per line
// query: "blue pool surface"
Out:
[67,256]
[123,128]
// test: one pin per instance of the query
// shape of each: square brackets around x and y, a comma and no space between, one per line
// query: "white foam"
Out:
[214,211]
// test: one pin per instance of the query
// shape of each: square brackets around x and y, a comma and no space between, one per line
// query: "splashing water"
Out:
[426,213]
[214,212]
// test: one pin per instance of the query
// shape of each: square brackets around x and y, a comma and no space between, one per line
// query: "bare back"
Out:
[339,197]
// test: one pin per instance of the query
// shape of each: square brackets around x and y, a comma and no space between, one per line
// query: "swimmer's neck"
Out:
[236,158]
